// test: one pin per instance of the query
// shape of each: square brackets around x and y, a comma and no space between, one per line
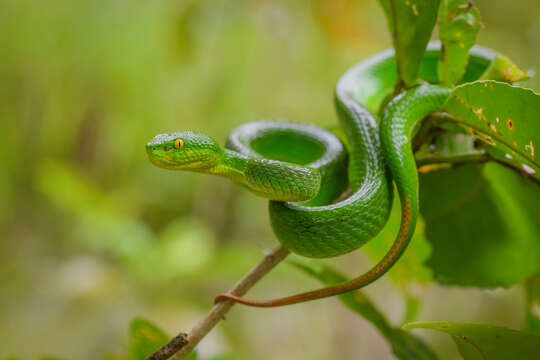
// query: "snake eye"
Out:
[178,144]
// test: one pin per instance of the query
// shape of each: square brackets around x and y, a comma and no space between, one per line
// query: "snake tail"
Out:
[401,118]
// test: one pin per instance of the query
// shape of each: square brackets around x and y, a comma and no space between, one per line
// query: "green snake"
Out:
[303,169]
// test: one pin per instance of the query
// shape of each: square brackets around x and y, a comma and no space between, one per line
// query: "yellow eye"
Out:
[178,144]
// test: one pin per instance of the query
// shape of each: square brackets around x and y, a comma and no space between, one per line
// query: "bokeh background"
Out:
[91,234]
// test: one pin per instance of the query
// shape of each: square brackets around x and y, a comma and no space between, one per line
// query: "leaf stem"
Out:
[454,159]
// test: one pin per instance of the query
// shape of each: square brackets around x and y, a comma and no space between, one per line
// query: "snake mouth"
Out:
[159,162]
[164,161]
[171,165]
[156,157]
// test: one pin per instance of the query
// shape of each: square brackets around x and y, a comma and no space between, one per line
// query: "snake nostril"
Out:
[166,148]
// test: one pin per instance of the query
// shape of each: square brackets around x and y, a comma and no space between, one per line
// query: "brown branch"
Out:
[180,349]
[169,349]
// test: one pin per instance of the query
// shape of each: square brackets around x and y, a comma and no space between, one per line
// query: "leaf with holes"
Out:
[459,23]
[503,116]
[481,341]
[411,23]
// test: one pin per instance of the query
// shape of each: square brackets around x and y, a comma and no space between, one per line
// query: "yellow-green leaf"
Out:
[503,69]
[145,338]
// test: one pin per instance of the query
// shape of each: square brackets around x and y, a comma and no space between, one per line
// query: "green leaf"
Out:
[476,216]
[145,338]
[459,23]
[505,117]
[404,345]
[482,222]
[481,341]
[503,69]
[192,356]
[411,23]
[412,307]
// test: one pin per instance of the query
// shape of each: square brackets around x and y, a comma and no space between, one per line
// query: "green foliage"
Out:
[480,341]
[482,224]
[404,345]
[145,338]
[411,23]
[504,117]
[459,23]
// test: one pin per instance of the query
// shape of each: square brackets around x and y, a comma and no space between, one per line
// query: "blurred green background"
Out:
[92,234]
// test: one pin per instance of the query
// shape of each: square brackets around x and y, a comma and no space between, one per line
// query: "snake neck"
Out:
[271,179]
[232,165]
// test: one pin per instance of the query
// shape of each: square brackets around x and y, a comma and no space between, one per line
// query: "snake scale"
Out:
[303,169]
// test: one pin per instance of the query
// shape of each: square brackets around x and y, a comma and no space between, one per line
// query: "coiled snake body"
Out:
[302,168]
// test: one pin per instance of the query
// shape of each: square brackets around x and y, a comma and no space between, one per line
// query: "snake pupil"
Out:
[178,144]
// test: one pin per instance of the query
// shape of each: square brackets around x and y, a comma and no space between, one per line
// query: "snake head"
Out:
[184,151]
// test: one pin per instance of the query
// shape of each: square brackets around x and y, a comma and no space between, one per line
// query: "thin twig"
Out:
[182,349]
[169,349]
